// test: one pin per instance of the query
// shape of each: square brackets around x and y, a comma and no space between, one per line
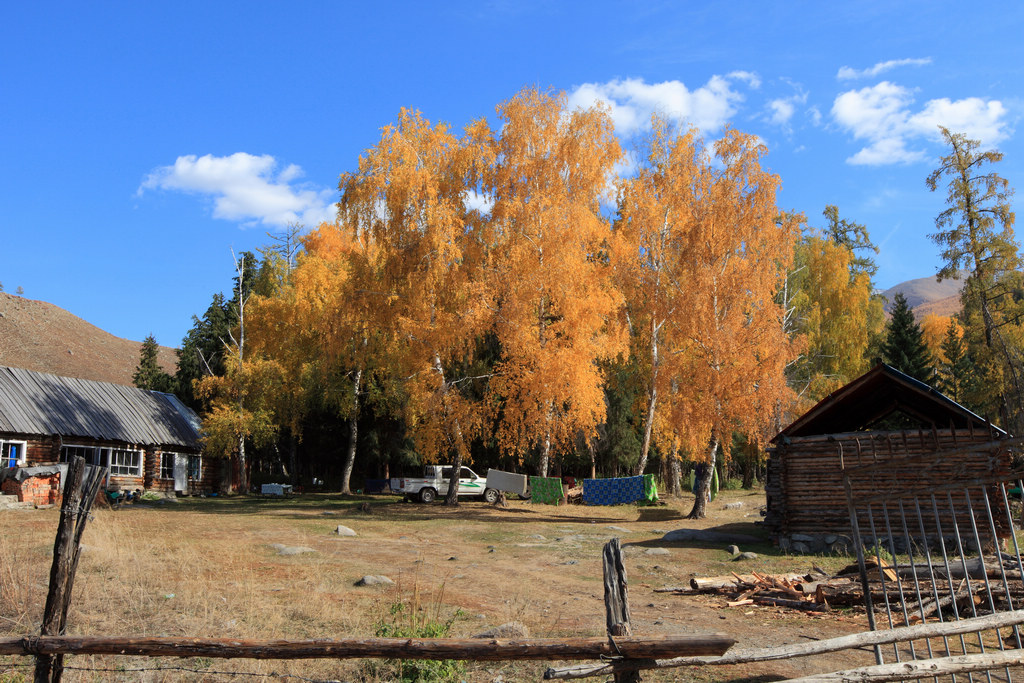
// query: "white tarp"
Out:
[507,481]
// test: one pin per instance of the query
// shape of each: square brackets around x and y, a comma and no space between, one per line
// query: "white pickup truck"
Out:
[435,480]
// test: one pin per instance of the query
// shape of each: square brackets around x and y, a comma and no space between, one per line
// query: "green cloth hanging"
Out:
[547,490]
[650,488]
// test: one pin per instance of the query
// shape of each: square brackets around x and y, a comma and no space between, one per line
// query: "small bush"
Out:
[410,622]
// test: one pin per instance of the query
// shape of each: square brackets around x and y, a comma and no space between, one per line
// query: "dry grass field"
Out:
[209,567]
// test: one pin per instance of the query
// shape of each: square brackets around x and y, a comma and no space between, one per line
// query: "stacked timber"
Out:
[807,498]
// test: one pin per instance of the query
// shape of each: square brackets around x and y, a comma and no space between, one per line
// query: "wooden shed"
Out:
[898,433]
[147,439]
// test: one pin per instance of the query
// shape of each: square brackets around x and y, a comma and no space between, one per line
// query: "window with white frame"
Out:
[125,463]
[167,465]
[12,453]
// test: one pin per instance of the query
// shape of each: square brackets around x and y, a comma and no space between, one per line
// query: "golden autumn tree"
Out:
[554,300]
[316,328]
[832,308]
[729,368]
[654,224]
[408,197]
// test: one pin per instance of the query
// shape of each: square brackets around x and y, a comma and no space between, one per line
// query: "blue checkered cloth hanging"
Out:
[613,491]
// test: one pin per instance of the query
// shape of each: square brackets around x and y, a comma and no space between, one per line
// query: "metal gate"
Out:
[938,553]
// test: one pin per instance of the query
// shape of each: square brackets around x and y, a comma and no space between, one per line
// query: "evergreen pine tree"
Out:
[149,374]
[955,374]
[904,347]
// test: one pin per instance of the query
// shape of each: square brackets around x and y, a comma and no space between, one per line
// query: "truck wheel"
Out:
[491,496]
[427,495]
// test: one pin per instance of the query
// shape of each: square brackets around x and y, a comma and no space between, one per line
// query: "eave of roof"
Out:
[876,393]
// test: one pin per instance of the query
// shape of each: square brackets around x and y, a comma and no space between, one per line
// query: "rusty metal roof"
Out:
[882,391]
[40,403]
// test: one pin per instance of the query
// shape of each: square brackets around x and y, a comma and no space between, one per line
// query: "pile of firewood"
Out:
[900,587]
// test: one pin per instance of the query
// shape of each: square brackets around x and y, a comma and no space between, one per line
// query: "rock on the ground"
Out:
[745,556]
[290,549]
[620,529]
[733,550]
[344,531]
[511,629]
[374,580]
[736,505]
[656,551]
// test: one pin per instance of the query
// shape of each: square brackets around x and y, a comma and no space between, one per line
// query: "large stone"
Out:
[656,551]
[511,629]
[733,506]
[344,531]
[745,556]
[374,580]
[290,549]
[733,550]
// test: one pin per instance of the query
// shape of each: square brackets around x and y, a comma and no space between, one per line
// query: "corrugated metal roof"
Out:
[40,403]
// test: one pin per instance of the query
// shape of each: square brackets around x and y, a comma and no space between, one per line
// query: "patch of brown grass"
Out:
[207,569]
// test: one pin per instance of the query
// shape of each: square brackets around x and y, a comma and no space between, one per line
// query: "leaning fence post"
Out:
[74,511]
[616,603]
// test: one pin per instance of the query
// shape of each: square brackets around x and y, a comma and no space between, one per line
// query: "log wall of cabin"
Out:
[805,491]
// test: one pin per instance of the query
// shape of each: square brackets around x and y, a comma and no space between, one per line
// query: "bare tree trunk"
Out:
[652,401]
[452,499]
[675,482]
[545,451]
[703,493]
[353,433]
[593,458]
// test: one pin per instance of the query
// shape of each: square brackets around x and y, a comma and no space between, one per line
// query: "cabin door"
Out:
[180,472]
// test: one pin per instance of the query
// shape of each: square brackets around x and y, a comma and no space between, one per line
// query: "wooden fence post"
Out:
[616,603]
[74,512]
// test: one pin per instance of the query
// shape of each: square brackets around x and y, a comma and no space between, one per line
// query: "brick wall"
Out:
[42,490]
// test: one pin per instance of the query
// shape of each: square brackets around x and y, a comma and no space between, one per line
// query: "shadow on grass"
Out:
[396,508]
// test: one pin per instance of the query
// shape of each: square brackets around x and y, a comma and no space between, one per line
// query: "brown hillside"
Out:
[39,336]
[926,296]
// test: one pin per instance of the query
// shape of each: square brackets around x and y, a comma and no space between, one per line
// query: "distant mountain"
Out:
[926,296]
[39,336]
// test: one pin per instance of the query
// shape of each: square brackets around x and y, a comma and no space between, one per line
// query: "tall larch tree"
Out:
[731,368]
[551,287]
[409,194]
[975,234]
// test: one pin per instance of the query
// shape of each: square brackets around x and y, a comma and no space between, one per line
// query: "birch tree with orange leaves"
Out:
[408,197]
[655,222]
[318,329]
[729,366]
[554,300]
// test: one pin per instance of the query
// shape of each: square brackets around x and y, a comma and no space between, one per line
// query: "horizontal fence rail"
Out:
[479,649]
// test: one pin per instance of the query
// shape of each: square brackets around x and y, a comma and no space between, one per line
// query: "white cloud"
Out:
[632,101]
[882,116]
[848,73]
[478,201]
[246,188]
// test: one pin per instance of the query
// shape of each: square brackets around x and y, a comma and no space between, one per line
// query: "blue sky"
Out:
[141,142]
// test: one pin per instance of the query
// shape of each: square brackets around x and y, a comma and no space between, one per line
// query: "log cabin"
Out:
[148,440]
[891,434]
